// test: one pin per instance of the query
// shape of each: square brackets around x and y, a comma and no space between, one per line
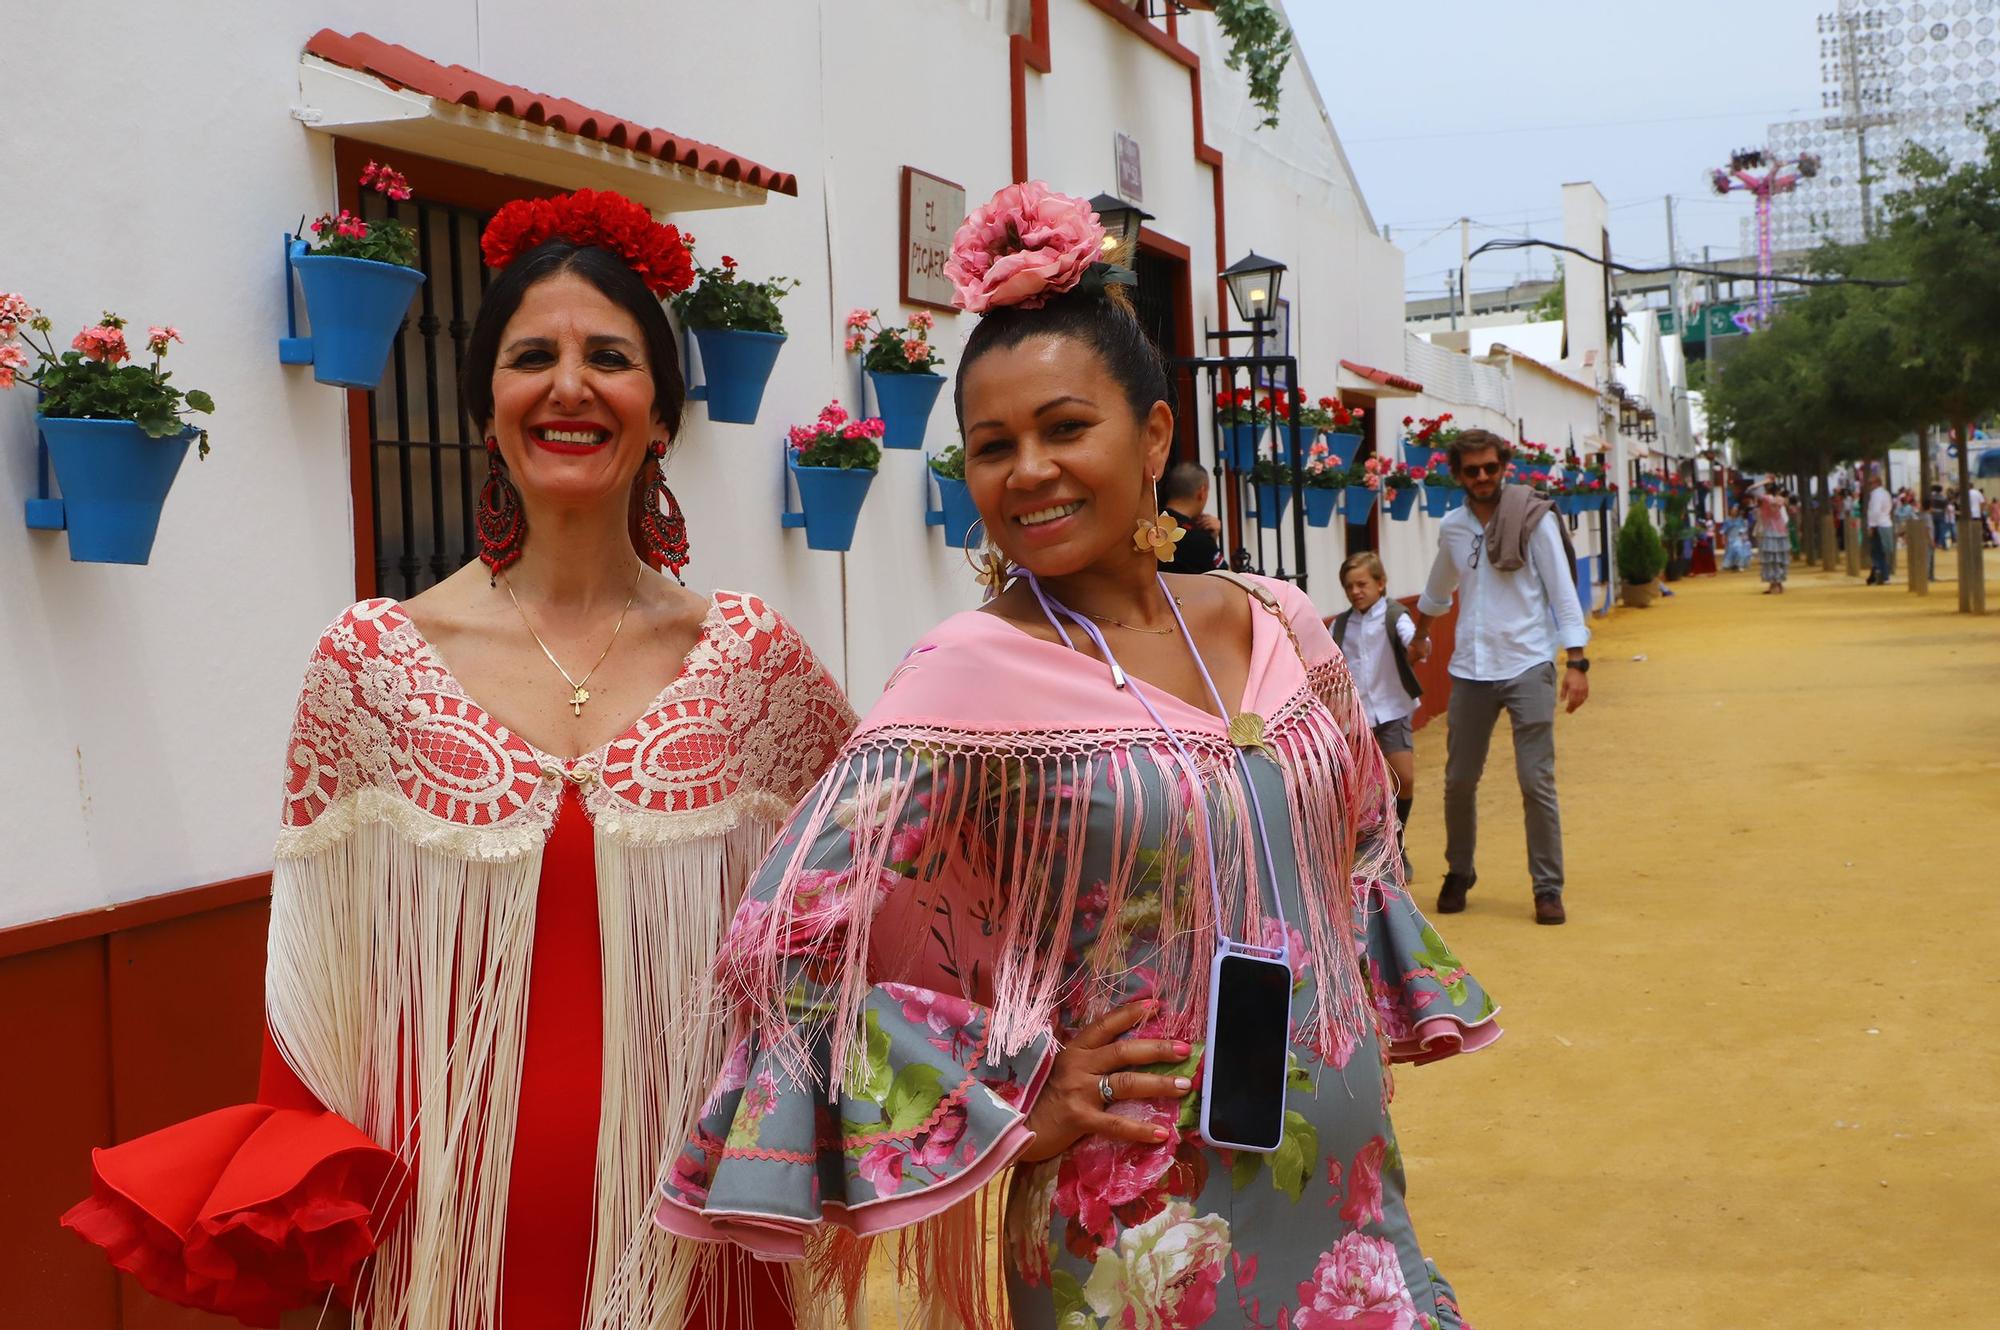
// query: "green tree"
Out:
[1550,308]
[1946,225]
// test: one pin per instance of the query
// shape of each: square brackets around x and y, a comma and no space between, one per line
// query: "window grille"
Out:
[427,458]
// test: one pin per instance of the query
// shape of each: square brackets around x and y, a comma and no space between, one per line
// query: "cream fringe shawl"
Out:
[396,988]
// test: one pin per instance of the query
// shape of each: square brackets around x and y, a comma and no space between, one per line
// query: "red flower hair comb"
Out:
[652,249]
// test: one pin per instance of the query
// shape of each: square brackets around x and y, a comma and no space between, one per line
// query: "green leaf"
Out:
[1293,1161]
[913,1097]
[198,400]
[1244,1171]
[868,1073]
[1072,1310]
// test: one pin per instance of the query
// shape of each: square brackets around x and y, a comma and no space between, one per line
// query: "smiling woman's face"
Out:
[573,394]
[1055,460]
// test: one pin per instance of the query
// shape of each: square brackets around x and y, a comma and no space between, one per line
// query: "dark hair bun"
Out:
[1098,315]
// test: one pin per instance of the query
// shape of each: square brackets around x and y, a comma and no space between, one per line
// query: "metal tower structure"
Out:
[1891,74]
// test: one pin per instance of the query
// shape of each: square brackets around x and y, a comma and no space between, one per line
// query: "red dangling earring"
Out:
[501,521]
[659,528]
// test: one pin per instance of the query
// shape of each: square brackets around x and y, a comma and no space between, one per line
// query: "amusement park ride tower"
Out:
[1763,175]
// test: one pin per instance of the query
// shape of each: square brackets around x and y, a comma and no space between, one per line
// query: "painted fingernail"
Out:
[1181,1050]
[1159,1133]
[1183,1084]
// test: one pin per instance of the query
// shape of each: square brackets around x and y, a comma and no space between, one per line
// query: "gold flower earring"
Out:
[1158,533]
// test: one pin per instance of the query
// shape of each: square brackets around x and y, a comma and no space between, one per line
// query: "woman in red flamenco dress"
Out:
[488,987]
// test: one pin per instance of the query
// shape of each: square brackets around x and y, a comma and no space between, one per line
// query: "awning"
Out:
[361,87]
[1381,382]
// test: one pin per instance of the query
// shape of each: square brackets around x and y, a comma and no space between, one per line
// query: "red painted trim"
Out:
[1032,52]
[1023,54]
[45,933]
[1167,245]
[1140,27]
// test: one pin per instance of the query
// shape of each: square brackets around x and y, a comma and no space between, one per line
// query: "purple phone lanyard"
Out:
[1223,942]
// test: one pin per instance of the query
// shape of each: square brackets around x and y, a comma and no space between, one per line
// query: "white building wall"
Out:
[144,708]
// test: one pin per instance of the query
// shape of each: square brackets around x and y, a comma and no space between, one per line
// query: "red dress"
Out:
[258,1209]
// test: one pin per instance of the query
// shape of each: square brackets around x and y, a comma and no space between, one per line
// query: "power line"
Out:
[1696,269]
[1572,124]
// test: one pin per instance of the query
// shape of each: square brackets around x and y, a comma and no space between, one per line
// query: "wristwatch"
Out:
[1581,663]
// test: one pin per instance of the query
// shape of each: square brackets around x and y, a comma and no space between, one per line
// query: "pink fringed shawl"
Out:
[975,777]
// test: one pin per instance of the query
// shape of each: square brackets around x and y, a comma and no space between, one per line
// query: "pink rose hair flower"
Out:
[1024,246]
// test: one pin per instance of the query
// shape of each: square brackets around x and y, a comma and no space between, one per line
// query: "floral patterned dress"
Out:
[1007,850]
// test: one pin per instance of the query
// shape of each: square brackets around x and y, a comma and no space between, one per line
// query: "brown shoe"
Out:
[1549,909]
[1451,897]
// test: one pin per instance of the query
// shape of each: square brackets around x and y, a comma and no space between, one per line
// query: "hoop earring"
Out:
[501,521]
[988,564]
[660,527]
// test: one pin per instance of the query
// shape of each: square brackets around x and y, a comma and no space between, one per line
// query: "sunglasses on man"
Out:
[1483,470]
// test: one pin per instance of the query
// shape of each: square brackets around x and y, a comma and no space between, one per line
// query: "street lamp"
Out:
[1253,286]
[1121,222]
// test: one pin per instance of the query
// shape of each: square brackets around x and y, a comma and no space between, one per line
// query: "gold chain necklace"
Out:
[1130,628]
[578,694]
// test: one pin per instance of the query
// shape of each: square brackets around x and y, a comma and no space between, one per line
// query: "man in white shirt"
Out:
[1881,533]
[1506,556]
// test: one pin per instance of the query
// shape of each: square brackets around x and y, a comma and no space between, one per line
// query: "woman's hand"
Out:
[1072,1102]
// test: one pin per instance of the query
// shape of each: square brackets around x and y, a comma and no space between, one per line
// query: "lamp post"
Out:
[1253,288]
[1121,222]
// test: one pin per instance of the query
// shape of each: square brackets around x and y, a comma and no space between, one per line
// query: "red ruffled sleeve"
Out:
[250,1211]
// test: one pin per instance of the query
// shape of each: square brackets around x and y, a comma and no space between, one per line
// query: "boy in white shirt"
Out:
[1375,637]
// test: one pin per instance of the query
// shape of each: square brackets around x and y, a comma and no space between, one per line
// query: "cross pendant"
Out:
[577,699]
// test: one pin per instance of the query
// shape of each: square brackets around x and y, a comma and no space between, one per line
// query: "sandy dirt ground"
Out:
[1755,1081]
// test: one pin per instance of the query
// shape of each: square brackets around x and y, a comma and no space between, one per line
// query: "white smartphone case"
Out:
[1208,1061]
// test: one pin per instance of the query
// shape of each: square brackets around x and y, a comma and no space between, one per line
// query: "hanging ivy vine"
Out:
[1259,45]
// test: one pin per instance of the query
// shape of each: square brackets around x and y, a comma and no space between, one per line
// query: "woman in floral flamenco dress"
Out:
[487,989]
[981,949]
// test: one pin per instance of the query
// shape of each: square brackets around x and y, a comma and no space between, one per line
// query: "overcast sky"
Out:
[1452,108]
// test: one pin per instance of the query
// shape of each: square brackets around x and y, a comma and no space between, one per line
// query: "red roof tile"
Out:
[400,67]
[1383,377]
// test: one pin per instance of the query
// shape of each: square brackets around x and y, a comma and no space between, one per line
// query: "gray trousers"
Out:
[1529,700]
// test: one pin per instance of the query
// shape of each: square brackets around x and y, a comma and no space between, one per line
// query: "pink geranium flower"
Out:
[157,339]
[14,311]
[1358,1285]
[12,361]
[103,344]
[1024,246]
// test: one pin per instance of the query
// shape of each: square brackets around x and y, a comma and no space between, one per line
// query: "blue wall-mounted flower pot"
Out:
[1320,505]
[904,402]
[1239,445]
[1572,475]
[1342,447]
[1359,503]
[355,307]
[1402,503]
[1437,500]
[956,513]
[1416,454]
[1272,500]
[114,478]
[1281,435]
[735,366]
[831,498]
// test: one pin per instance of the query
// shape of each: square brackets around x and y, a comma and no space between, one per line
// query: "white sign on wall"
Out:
[933,208]
[1131,181]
